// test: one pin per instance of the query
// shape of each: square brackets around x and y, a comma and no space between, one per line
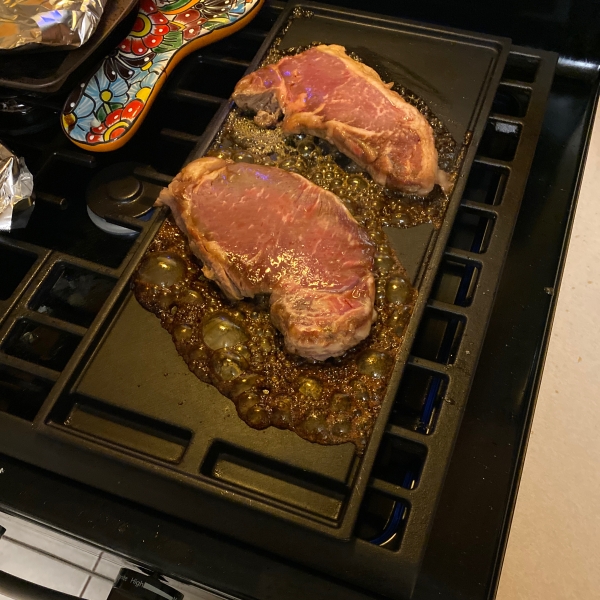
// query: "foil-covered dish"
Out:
[57,23]
[16,191]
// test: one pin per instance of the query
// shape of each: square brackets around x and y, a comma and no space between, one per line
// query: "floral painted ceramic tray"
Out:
[104,112]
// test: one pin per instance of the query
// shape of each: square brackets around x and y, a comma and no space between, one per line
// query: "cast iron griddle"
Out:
[136,366]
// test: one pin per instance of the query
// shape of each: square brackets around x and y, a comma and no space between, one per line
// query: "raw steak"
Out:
[261,230]
[324,92]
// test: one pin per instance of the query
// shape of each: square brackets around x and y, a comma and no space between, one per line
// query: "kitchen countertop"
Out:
[554,543]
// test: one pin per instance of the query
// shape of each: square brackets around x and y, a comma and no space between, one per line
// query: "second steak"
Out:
[324,92]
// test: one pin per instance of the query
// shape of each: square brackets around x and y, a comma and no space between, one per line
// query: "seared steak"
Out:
[262,230]
[323,92]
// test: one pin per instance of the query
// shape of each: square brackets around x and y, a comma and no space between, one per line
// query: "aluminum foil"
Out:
[68,23]
[16,189]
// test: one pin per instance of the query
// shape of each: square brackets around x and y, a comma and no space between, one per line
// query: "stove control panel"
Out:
[132,585]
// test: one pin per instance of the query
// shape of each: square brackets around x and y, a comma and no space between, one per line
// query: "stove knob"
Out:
[116,192]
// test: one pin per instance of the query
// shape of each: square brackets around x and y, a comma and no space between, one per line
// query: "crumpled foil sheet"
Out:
[68,23]
[16,189]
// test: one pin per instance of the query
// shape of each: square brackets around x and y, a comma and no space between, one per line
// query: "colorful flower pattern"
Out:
[105,107]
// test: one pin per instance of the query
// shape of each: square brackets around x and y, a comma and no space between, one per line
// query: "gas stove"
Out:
[67,274]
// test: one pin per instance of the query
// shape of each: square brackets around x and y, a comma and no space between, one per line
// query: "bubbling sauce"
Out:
[236,348]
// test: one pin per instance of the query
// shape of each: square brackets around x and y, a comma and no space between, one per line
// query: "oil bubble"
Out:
[258,417]
[357,183]
[165,300]
[315,424]
[288,163]
[340,402]
[183,332]
[162,269]
[337,184]
[199,354]
[222,154]
[244,384]
[399,319]
[243,157]
[190,297]
[228,365]
[359,390]
[220,332]
[397,290]
[323,146]
[300,165]
[341,428]
[311,388]
[243,350]
[384,262]
[305,149]
[374,364]
[246,401]
[265,345]
[379,236]
[282,412]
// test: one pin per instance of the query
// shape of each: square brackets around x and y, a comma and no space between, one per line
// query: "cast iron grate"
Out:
[464,285]
[68,279]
